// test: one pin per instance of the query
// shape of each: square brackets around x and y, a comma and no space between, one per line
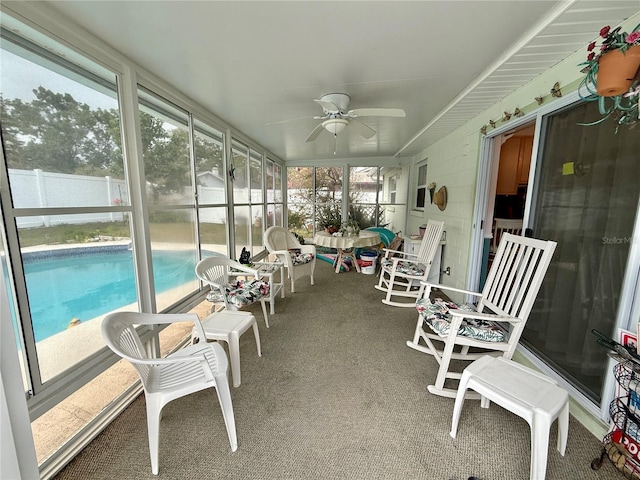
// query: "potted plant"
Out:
[350,227]
[613,75]
[329,217]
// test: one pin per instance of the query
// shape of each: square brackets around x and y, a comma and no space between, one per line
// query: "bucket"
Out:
[368,262]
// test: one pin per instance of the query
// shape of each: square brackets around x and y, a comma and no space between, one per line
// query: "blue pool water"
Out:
[89,282]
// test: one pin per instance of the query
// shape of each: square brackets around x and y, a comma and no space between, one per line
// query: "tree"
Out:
[54,132]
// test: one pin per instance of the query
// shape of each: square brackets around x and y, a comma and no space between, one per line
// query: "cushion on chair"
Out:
[300,258]
[436,315]
[406,268]
[241,293]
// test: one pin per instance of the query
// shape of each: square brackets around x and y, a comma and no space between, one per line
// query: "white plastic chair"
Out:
[495,324]
[186,371]
[400,275]
[226,289]
[300,260]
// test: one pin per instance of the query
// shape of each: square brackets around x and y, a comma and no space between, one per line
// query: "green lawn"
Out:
[170,232]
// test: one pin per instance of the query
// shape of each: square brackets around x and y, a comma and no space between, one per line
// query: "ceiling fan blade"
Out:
[362,129]
[314,133]
[328,106]
[289,120]
[377,112]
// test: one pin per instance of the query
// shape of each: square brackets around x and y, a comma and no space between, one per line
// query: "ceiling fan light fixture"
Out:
[335,125]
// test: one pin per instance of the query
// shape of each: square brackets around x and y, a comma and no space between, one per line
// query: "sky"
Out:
[19,77]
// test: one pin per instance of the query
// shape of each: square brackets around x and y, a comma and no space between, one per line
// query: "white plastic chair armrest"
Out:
[164,318]
[307,248]
[197,325]
[284,256]
[166,360]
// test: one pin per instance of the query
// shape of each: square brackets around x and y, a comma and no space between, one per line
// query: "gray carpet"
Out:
[336,395]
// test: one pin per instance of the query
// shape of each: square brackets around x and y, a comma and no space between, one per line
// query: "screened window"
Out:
[364,186]
[300,212]
[211,187]
[170,196]
[421,188]
[274,194]
[328,197]
[62,152]
[248,202]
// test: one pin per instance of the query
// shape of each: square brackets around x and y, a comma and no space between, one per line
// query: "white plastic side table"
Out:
[524,392]
[227,326]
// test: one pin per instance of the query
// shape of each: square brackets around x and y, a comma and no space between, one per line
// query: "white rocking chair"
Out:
[401,276]
[493,326]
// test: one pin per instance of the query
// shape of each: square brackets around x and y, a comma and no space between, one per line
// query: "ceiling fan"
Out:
[337,116]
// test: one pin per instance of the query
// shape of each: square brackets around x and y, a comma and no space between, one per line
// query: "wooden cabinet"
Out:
[515,160]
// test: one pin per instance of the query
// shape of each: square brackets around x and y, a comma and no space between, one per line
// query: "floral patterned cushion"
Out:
[300,258]
[436,315]
[241,293]
[406,268]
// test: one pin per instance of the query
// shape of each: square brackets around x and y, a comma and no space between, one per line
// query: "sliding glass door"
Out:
[586,198]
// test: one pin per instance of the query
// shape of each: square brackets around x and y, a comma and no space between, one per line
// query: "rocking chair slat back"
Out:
[430,242]
[515,279]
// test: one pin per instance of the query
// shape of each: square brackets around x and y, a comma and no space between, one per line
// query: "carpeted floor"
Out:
[336,395]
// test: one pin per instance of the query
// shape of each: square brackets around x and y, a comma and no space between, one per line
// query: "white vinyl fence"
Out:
[40,189]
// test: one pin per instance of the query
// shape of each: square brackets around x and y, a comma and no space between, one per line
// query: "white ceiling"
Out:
[255,63]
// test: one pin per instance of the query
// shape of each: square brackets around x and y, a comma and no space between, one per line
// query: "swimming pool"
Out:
[86,283]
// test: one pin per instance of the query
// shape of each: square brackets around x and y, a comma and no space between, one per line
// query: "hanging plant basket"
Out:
[617,70]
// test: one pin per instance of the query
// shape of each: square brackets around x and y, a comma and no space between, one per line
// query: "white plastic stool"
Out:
[524,392]
[227,326]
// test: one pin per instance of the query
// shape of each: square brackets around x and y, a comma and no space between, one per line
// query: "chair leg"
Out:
[264,312]
[224,397]
[563,429]
[457,406]
[256,334]
[234,354]
[540,426]
[444,361]
[390,288]
[154,410]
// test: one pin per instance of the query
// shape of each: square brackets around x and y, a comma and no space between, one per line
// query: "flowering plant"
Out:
[622,108]
[612,40]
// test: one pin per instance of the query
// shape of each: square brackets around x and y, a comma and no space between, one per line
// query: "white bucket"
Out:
[368,262]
